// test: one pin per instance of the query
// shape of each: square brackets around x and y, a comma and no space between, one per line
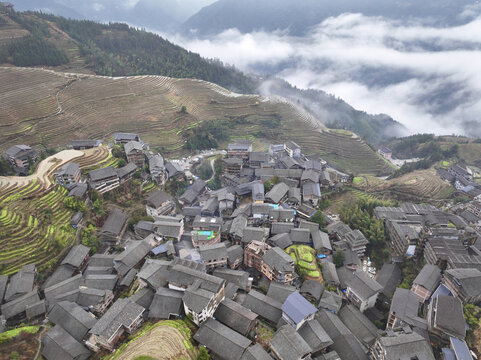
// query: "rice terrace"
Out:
[34,220]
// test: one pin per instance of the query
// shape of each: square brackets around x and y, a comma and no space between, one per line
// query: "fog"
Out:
[427,78]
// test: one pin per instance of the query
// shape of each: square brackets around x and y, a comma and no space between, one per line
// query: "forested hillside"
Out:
[110,49]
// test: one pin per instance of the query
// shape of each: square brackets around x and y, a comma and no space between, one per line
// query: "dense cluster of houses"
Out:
[461,177]
[218,258]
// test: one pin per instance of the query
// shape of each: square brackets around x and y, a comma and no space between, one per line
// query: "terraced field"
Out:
[34,223]
[169,339]
[416,186]
[10,30]
[46,107]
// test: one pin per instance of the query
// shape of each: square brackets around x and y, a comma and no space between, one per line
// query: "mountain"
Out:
[113,50]
[164,15]
[297,18]
[335,113]
[47,109]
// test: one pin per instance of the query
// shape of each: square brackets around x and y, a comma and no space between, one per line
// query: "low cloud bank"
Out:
[427,78]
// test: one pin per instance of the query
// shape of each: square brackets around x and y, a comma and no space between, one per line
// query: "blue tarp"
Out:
[159,249]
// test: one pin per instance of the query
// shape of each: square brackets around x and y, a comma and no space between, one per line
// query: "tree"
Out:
[89,237]
[203,354]
[183,109]
[99,207]
[267,185]
[319,218]
[338,258]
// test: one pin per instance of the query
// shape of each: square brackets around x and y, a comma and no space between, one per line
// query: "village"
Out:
[251,249]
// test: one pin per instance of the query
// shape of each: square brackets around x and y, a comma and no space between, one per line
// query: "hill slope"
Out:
[105,49]
[297,18]
[49,108]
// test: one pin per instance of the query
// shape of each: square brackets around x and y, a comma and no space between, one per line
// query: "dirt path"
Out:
[161,343]
[44,169]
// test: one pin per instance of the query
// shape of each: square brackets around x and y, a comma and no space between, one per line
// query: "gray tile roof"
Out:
[166,302]
[60,345]
[154,273]
[279,291]
[115,222]
[132,255]
[90,297]
[294,194]
[19,305]
[157,198]
[62,287]
[128,278]
[238,226]
[36,309]
[429,277]
[251,233]
[119,136]
[320,240]
[312,288]
[213,252]
[183,276]
[234,252]
[406,346]
[79,190]
[314,335]
[469,280]
[345,343]
[3,286]
[263,306]
[20,283]
[104,173]
[235,316]
[132,146]
[218,337]
[449,316]
[288,344]
[300,236]
[69,169]
[76,256]
[363,285]
[239,278]
[256,352]
[72,318]
[122,313]
[102,260]
[168,228]
[310,175]
[277,259]
[311,189]
[282,241]
[197,299]
[359,324]
[329,273]
[330,301]
[101,281]
[143,297]
[405,305]
[281,227]
[277,192]
[389,277]
[126,170]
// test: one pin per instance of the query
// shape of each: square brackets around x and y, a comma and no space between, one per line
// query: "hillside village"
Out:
[249,261]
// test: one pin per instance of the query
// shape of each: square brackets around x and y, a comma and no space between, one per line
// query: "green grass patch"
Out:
[7,335]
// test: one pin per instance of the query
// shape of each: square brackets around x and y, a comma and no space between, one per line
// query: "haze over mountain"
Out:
[417,61]
[297,17]
[161,15]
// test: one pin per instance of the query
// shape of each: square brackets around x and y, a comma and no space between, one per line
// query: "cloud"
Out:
[428,78]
